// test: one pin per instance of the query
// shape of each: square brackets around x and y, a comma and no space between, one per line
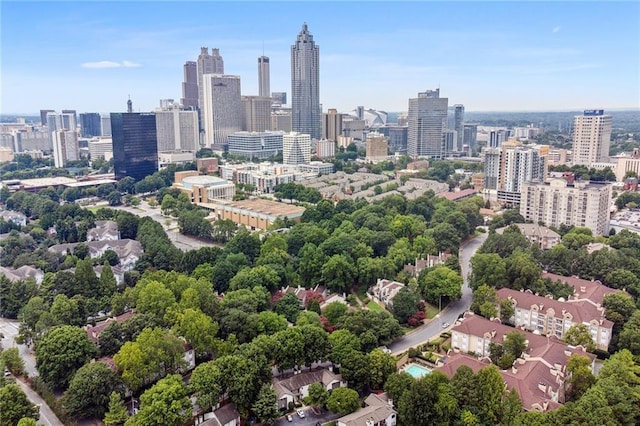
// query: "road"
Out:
[452,312]
[9,328]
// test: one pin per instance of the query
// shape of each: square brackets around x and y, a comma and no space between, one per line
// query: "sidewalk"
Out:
[47,416]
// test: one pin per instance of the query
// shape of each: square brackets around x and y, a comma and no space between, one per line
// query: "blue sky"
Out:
[489,56]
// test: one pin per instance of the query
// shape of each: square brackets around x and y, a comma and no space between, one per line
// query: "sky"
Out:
[489,56]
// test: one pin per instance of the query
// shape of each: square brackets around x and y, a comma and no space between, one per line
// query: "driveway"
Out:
[452,312]
[310,418]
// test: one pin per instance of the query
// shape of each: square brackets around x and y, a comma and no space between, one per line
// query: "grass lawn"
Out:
[430,311]
[373,306]
[94,209]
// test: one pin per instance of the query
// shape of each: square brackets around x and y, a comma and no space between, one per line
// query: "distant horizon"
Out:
[489,56]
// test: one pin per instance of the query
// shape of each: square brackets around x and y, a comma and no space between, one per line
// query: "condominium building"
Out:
[584,204]
[332,124]
[255,144]
[376,147]
[177,129]
[296,148]
[257,113]
[305,85]
[325,148]
[222,110]
[508,167]
[591,137]
[470,137]
[426,123]
[279,98]
[65,147]
[455,119]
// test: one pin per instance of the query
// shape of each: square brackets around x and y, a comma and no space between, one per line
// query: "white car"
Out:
[289,418]
[445,325]
[300,413]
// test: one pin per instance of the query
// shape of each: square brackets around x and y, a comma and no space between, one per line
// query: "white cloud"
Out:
[110,64]
[555,30]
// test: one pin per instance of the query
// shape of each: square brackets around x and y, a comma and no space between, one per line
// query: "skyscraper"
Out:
[69,119]
[135,149]
[221,111]
[105,125]
[305,85]
[90,124]
[427,120]
[257,113]
[591,137]
[296,148]
[458,123]
[177,129]
[331,124]
[43,116]
[190,85]
[208,64]
[264,88]
[65,147]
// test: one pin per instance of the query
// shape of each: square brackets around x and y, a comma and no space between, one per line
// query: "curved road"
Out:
[453,311]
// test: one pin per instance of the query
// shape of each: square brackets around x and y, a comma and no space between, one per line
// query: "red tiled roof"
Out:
[583,289]
[93,332]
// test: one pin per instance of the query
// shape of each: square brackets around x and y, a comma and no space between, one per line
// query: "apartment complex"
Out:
[376,147]
[558,202]
[591,137]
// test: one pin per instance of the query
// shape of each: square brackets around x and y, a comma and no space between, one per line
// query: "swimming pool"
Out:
[417,371]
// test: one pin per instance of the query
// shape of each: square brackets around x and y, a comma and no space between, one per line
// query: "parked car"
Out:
[289,418]
[300,413]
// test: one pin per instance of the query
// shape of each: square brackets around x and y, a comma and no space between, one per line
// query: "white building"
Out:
[427,120]
[557,202]
[222,109]
[591,137]
[255,144]
[65,147]
[296,148]
[100,147]
[177,129]
[326,148]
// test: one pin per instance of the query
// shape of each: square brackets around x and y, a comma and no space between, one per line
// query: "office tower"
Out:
[90,124]
[426,121]
[591,137]
[69,119]
[257,113]
[190,85]
[457,123]
[255,144]
[326,148]
[332,124]
[376,147]
[449,142]
[135,145]
[507,168]
[65,147]
[305,85]
[54,122]
[497,137]
[105,125]
[43,116]
[208,64]
[264,88]
[355,129]
[279,98]
[555,203]
[99,147]
[281,120]
[398,139]
[296,148]
[177,129]
[470,137]
[221,112]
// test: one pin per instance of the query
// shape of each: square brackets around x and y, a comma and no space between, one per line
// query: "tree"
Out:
[110,257]
[339,273]
[127,184]
[491,388]
[334,311]
[579,334]
[381,365]
[107,282]
[428,401]
[342,342]
[155,299]
[89,390]
[581,378]
[316,344]
[441,281]
[114,198]
[199,330]
[12,360]
[618,307]
[405,304]
[318,395]
[355,370]
[65,311]
[205,384]
[514,344]
[485,299]
[265,407]
[14,405]
[397,384]
[27,421]
[61,352]
[165,403]
[630,335]
[343,401]
[289,307]
[507,310]
[117,413]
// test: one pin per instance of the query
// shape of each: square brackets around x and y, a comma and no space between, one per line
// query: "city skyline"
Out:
[494,56]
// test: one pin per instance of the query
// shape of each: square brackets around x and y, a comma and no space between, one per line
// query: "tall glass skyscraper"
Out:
[264,87]
[427,122]
[190,85]
[90,124]
[135,149]
[305,85]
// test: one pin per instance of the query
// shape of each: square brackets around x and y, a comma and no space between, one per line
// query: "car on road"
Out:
[289,418]
[300,413]
[445,324]
[7,373]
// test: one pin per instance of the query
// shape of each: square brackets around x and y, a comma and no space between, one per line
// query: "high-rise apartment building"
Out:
[207,64]
[90,124]
[281,120]
[135,144]
[43,116]
[426,122]
[69,119]
[65,147]
[332,124]
[583,204]
[376,147]
[591,137]
[177,129]
[305,85]
[456,123]
[507,168]
[257,113]
[264,86]
[190,85]
[221,111]
[54,122]
[255,144]
[325,148]
[105,125]
[296,148]
[470,138]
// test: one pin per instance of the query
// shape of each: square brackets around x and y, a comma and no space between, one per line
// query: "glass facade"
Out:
[135,150]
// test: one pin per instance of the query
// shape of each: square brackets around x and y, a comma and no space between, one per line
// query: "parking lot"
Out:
[310,418]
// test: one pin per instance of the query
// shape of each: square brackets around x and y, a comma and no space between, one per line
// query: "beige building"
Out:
[557,202]
[6,154]
[627,164]
[332,124]
[541,236]
[376,147]
[257,113]
[281,120]
[254,214]
[325,148]
[203,188]
[591,137]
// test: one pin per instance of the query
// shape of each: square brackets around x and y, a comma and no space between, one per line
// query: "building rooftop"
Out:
[268,207]
[593,291]
[203,180]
